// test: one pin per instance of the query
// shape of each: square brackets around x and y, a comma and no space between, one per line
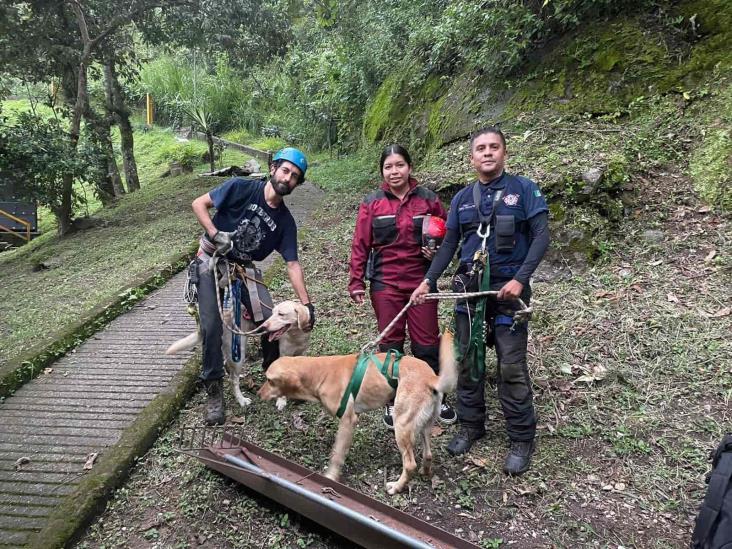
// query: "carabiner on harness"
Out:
[483,232]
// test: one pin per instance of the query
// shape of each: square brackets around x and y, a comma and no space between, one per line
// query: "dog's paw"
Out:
[244,401]
[281,402]
[332,475]
[393,488]
[427,471]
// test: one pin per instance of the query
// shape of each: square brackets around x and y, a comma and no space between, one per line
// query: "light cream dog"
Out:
[416,404]
[289,324]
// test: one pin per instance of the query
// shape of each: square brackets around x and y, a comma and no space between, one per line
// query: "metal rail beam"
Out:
[351,514]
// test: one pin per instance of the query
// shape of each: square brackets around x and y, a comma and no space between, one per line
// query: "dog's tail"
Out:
[447,380]
[184,344]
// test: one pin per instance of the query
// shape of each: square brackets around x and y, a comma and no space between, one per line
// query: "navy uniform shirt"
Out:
[521,199]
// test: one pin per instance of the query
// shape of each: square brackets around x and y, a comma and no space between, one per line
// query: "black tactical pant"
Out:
[212,328]
[428,353]
[514,385]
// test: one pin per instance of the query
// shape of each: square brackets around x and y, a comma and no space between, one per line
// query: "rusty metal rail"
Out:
[347,512]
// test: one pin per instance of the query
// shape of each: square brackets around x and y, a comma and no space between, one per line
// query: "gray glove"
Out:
[223,242]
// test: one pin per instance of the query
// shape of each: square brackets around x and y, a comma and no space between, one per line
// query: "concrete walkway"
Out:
[86,404]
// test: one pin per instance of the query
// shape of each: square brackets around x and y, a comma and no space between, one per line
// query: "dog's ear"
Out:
[303,316]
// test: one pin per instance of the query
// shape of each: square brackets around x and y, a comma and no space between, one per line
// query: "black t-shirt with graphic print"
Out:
[260,229]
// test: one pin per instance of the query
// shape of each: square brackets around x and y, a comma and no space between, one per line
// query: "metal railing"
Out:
[24,222]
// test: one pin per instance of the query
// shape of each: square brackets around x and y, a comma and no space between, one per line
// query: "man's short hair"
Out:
[487,129]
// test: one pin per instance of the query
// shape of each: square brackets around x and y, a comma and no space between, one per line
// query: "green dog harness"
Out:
[392,359]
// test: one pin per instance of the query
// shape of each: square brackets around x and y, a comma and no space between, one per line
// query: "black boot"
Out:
[518,457]
[215,414]
[463,441]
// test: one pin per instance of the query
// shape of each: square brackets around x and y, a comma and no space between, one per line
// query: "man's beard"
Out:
[282,189]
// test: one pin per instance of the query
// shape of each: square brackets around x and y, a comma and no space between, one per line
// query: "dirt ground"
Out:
[632,372]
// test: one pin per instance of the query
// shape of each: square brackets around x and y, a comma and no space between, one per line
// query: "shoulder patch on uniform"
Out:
[511,199]
[537,192]
[375,195]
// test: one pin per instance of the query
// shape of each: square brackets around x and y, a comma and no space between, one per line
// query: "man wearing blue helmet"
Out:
[251,221]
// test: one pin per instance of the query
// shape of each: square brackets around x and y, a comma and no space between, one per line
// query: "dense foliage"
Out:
[317,89]
[34,156]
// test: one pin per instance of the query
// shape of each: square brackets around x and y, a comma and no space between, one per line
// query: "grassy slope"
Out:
[140,234]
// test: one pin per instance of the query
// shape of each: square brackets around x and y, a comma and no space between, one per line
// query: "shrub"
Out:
[188,155]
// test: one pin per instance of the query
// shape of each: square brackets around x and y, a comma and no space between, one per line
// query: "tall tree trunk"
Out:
[109,186]
[115,100]
[210,141]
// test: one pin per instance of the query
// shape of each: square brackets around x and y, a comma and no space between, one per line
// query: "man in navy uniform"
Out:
[514,214]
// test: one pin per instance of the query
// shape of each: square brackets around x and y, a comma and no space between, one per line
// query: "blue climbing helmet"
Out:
[293,155]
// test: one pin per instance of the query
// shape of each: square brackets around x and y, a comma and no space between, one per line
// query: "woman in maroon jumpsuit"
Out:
[388,251]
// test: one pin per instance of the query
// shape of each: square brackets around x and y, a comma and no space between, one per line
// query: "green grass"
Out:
[140,233]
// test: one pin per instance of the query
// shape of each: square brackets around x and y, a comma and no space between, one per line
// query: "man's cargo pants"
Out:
[514,385]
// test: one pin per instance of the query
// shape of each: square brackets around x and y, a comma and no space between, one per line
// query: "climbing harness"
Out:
[232,278]
[236,308]
[392,359]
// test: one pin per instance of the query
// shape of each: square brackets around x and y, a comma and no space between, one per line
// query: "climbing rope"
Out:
[520,316]
[232,273]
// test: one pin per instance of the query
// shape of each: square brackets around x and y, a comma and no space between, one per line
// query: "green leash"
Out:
[475,353]
[392,359]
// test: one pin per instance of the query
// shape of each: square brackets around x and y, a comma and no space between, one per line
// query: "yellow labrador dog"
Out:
[289,324]
[419,393]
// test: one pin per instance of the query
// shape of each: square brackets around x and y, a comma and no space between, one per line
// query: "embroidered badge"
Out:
[511,199]
[537,192]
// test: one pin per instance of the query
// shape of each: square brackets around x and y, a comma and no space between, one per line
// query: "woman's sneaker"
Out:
[447,414]
[389,416]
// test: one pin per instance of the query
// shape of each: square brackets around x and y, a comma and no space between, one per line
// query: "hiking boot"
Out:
[389,416]
[447,414]
[464,439]
[215,405]
[518,457]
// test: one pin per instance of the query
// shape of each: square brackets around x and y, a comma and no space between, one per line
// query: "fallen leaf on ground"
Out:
[298,422]
[726,311]
[20,462]
[478,462]
[437,430]
[605,294]
[672,297]
[596,372]
[710,256]
[47,370]
[238,420]
[637,288]
[704,209]
[91,458]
